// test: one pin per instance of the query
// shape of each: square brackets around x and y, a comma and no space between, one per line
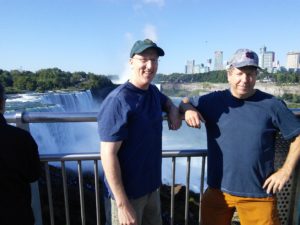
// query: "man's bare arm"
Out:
[277,180]
[174,117]
[111,167]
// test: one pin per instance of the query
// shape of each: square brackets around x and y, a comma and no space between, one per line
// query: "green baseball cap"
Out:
[140,46]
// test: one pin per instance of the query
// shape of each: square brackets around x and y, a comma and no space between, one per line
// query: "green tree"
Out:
[6,79]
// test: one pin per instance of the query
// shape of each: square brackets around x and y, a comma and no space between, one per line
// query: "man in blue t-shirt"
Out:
[241,125]
[130,129]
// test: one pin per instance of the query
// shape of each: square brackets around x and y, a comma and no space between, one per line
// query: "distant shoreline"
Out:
[271,88]
[181,90]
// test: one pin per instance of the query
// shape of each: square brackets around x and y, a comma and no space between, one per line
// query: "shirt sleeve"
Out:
[112,120]
[194,101]
[163,99]
[286,121]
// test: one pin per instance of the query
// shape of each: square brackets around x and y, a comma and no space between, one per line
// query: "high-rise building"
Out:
[189,67]
[208,64]
[293,60]
[201,68]
[218,60]
[197,68]
[266,59]
[192,68]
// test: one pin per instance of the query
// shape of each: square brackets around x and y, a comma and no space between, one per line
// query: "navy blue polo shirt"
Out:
[134,116]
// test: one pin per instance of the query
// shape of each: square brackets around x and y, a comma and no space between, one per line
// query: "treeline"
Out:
[221,77]
[16,81]
[51,79]
[213,76]
[291,97]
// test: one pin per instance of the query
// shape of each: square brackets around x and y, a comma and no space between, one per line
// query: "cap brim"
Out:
[159,50]
[240,65]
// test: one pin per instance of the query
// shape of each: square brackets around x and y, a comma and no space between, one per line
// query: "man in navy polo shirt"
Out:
[130,129]
[241,124]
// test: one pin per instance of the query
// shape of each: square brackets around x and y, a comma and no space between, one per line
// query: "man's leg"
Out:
[137,204]
[107,206]
[114,212]
[258,211]
[215,209]
[152,210]
[147,209]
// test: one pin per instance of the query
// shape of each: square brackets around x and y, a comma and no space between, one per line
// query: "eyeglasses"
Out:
[145,60]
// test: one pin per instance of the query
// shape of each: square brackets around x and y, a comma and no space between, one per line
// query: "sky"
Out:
[97,35]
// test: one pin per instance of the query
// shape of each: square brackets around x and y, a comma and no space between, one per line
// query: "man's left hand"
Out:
[276,181]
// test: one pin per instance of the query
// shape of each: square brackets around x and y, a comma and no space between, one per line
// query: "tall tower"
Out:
[189,67]
[266,59]
[293,60]
[218,60]
[208,61]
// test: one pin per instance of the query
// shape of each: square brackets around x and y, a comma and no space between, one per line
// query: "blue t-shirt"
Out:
[134,116]
[241,139]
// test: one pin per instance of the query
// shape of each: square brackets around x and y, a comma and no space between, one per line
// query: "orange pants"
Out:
[217,208]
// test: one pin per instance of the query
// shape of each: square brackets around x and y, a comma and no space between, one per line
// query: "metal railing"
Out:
[95,157]
[23,119]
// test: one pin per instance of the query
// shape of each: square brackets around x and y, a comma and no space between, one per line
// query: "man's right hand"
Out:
[191,115]
[126,214]
[193,118]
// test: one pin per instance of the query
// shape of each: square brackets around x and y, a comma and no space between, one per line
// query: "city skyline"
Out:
[267,60]
[97,35]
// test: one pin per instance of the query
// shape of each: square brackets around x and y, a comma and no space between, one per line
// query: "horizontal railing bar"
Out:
[69,156]
[51,117]
[96,156]
[184,153]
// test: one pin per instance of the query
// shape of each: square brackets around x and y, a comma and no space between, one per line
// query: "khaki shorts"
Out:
[218,207]
[147,209]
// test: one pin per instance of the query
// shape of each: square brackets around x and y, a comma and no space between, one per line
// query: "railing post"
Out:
[20,123]
[296,217]
[35,193]
[172,189]
[36,203]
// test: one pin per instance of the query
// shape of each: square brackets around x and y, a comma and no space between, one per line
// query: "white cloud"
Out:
[128,37]
[125,74]
[159,3]
[139,4]
[137,7]
[150,32]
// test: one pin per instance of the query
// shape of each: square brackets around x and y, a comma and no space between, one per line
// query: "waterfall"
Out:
[60,137]
[67,137]
[71,102]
